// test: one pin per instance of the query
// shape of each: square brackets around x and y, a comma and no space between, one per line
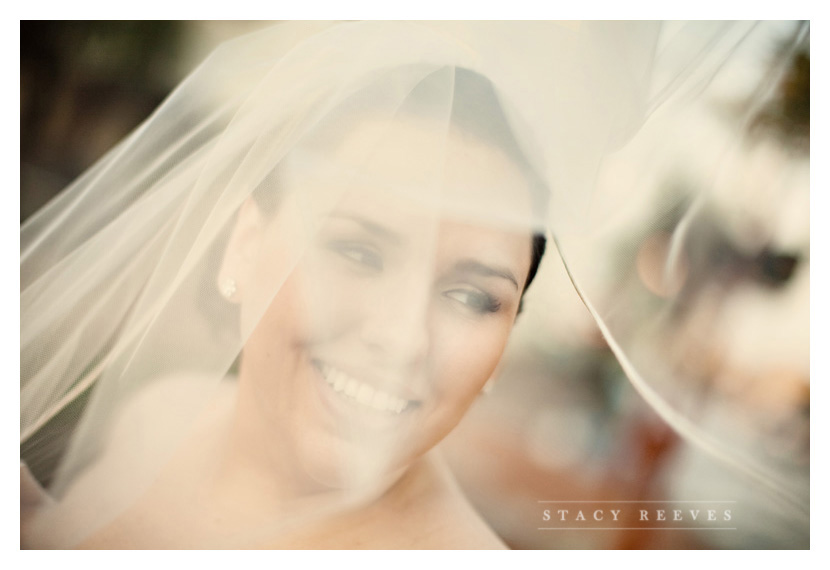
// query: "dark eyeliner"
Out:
[477,301]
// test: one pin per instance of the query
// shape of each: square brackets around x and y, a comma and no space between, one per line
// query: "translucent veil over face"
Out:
[269,303]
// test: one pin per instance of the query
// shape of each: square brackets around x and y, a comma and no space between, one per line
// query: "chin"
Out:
[347,461]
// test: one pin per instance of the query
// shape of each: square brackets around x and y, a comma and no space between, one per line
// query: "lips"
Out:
[363,394]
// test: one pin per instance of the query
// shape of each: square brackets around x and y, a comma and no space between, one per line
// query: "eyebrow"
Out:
[463,266]
[369,226]
[479,268]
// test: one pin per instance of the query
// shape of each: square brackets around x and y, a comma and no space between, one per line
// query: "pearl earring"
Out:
[228,288]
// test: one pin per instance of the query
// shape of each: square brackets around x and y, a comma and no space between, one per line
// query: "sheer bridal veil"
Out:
[315,249]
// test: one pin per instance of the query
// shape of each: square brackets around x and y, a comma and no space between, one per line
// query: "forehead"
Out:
[409,166]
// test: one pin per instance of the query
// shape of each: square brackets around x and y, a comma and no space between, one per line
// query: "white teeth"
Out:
[351,387]
[379,401]
[365,394]
[362,393]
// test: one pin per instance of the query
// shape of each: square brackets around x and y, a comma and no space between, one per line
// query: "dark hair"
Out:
[537,252]
[477,110]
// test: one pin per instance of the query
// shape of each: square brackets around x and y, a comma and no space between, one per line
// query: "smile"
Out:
[361,393]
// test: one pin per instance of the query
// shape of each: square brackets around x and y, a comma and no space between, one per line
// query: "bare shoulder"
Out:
[165,403]
[149,423]
[152,430]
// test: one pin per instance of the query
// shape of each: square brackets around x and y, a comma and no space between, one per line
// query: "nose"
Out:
[395,329]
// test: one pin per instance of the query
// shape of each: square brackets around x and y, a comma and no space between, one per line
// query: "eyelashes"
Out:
[362,256]
[478,301]
[367,260]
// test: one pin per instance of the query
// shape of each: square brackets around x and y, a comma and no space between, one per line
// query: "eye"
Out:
[476,300]
[359,254]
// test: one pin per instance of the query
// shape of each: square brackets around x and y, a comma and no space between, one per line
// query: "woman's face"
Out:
[394,313]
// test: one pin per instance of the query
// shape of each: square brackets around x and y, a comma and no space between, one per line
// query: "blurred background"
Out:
[84,85]
[716,320]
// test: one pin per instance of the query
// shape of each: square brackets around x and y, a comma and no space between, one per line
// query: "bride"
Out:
[372,278]
[252,322]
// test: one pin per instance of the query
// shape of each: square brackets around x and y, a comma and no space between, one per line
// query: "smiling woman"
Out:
[372,303]
[252,323]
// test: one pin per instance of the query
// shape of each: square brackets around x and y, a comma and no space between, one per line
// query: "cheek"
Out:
[333,306]
[270,354]
[464,356]
[314,304]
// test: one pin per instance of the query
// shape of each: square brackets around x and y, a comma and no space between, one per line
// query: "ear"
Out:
[241,251]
